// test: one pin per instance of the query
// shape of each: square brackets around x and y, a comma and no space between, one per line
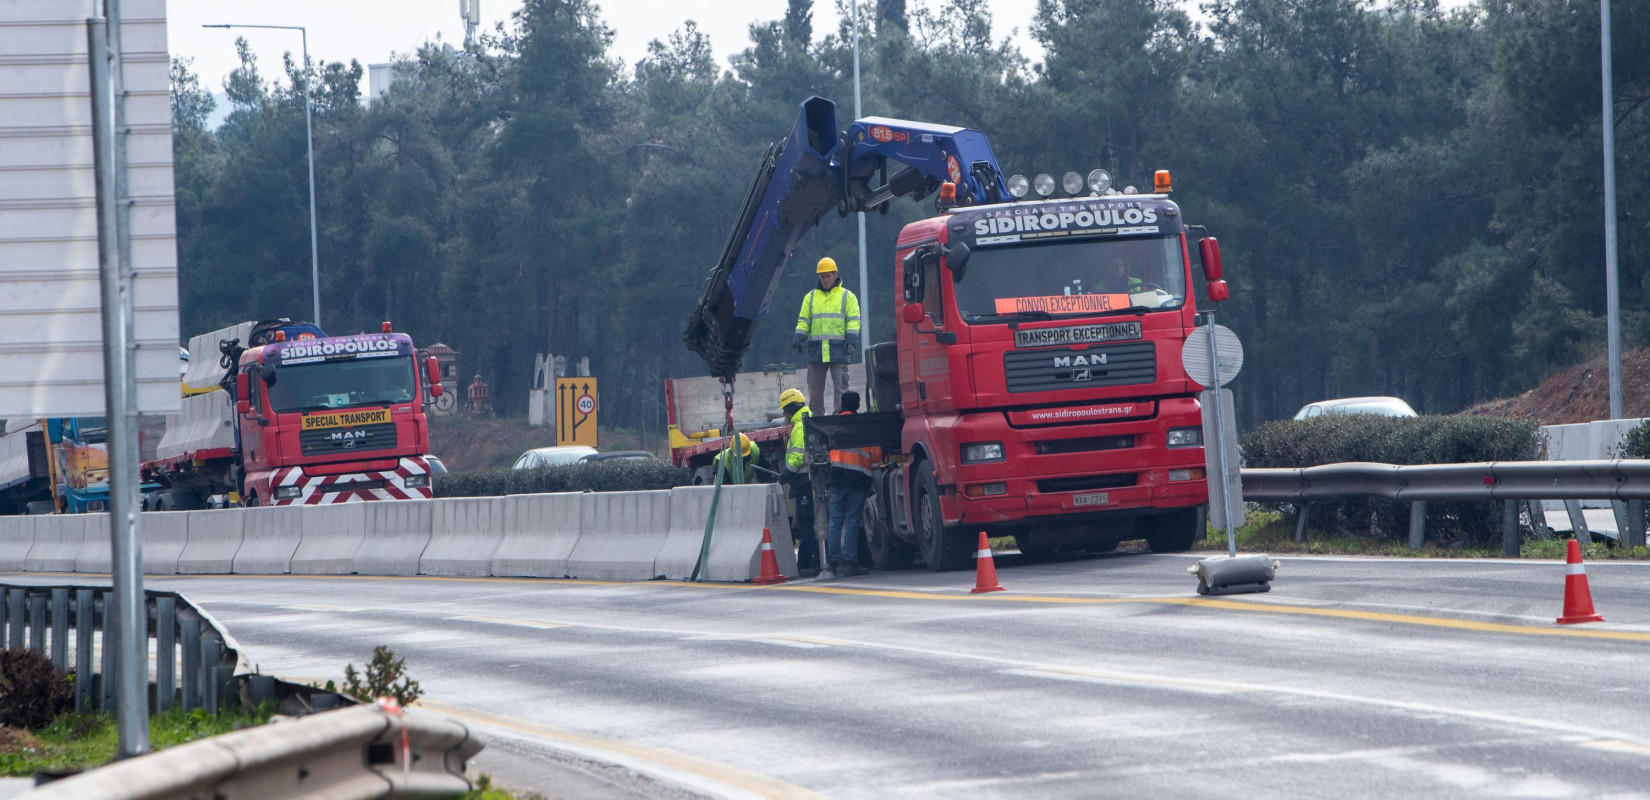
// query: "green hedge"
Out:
[1636,444]
[602,476]
[1397,440]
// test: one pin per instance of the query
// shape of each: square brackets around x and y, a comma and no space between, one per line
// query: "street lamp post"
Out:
[1612,300]
[309,137]
[864,279]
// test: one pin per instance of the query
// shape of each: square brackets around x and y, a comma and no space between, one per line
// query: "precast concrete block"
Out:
[94,555]
[57,540]
[464,534]
[16,537]
[620,535]
[331,536]
[540,532]
[736,541]
[397,533]
[269,538]
[165,534]
[214,538]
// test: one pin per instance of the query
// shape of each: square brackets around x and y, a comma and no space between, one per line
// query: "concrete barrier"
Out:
[16,536]
[165,534]
[94,555]
[736,542]
[269,539]
[464,533]
[214,538]
[540,532]
[620,535]
[397,533]
[331,536]
[57,540]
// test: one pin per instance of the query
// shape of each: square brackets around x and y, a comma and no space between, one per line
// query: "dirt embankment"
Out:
[1579,394]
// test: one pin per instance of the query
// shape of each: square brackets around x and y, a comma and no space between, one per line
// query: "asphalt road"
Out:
[1100,677]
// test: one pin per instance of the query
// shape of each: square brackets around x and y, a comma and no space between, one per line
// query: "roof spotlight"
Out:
[1044,184]
[1072,183]
[1099,181]
[1018,186]
[1130,190]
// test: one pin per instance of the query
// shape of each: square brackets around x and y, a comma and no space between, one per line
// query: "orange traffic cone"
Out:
[985,570]
[1578,599]
[770,565]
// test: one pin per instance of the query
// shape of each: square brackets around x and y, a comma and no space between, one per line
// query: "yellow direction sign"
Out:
[576,411]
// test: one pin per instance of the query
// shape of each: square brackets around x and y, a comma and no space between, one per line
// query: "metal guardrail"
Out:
[1624,482]
[349,753]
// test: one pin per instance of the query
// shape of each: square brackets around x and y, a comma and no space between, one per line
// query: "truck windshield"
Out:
[340,384]
[1077,278]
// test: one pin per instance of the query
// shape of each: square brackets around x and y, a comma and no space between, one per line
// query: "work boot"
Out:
[849,569]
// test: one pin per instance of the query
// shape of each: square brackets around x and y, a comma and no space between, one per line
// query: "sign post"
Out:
[1213,361]
[576,411]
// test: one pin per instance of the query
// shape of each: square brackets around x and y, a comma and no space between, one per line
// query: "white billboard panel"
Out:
[51,327]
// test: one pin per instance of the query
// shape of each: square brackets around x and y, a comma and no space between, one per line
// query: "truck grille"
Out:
[1086,444]
[1101,365]
[1084,483]
[343,441]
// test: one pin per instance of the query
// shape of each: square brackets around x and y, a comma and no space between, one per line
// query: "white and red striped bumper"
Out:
[314,490]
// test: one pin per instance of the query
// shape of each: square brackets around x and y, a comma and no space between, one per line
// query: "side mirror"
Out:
[912,314]
[956,260]
[243,407]
[243,387]
[1209,248]
[1218,291]
[269,374]
[433,370]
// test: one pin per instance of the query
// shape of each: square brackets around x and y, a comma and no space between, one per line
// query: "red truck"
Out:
[1034,384]
[291,416]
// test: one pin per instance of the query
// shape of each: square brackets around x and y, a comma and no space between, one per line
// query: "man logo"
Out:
[1096,360]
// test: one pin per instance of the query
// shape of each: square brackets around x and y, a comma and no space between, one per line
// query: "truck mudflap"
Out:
[291,486]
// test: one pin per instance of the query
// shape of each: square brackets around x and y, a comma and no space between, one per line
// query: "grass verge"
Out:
[1274,532]
[86,740]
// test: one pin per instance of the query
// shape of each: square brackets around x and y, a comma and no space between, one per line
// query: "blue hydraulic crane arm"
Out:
[802,177]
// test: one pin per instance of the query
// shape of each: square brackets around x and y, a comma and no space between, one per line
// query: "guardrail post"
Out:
[85,624]
[14,618]
[106,678]
[1538,519]
[211,654]
[1417,524]
[1303,512]
[1635,523]
[166,652]
[60,629]
[1509,528]
[1578,521]
[191,626]
[37,622]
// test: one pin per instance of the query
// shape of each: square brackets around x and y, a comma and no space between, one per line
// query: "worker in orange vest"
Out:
[850,483]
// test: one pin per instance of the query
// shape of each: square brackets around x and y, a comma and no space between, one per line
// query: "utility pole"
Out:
[1612,292]
[864,279]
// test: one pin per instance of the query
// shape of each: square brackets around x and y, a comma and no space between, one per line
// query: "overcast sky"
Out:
[370,30]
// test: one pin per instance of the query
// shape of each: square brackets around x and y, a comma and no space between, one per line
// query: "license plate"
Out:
[1091,499]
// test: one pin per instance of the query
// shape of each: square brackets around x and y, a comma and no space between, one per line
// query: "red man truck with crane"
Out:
[1034,384]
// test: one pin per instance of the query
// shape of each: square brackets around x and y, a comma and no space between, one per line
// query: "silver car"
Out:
[1379,406]
[552,456]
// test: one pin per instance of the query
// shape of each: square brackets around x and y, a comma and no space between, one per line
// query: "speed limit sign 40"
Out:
[587,404]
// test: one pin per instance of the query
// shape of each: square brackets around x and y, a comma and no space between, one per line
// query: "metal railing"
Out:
[360,752]
[1624,482]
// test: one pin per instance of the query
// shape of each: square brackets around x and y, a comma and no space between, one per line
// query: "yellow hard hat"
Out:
[790,396]
[826,264]
[744,445]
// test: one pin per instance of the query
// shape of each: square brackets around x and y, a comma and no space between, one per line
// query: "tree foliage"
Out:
[1408,197]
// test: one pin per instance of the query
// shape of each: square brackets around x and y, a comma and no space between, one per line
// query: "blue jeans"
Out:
[846,507]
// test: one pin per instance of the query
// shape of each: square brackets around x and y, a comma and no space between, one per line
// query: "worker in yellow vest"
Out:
[827,330]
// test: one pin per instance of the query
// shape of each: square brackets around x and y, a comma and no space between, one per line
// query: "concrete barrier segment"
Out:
[331,536]
[57,540]
[397,533]
[214,538]
[95,555]
[540,532]
[270,537]
[620,535]
[736,542]
[16,537]
[464,534]
[165,534]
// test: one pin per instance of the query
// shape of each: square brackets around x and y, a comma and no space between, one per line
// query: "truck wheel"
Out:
[943,548]
[887,551]
[1173,532]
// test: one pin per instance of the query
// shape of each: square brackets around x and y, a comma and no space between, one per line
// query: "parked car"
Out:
[1380,406]
[436,466]
[619,455]
[552,456]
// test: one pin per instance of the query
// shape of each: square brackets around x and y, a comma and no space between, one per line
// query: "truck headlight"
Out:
[416,481]
[1185,437]
[982,451]
[288,492]
[1018,186]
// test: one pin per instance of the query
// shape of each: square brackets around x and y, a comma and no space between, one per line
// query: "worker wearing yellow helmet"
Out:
[749,451]
[796,478]
[827,331]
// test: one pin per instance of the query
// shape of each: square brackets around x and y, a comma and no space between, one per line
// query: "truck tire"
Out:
[943,548]
[1174,532]
[887,551]
[177,501]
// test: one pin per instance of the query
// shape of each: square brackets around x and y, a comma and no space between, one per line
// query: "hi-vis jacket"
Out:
[829,319]
[852,467]
[722,459]
[796,456]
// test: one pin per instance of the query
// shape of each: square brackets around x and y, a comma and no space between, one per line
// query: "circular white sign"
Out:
[586,404]
[1195,355]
